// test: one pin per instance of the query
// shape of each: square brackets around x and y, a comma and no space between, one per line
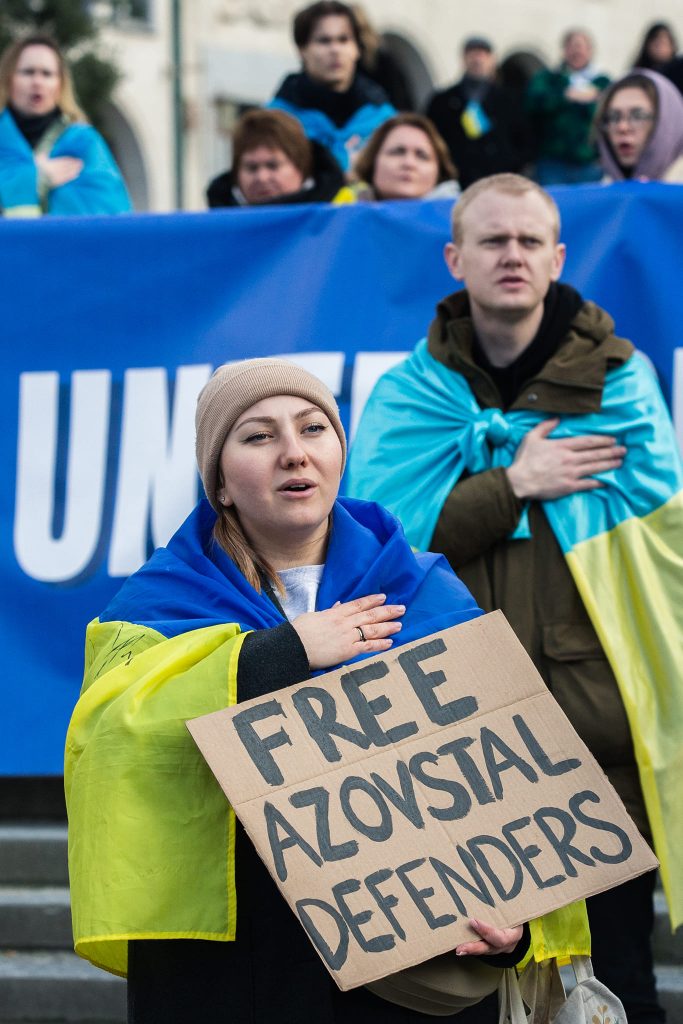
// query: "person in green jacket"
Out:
[562,104]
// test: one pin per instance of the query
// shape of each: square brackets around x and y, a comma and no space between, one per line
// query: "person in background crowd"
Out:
[657,49]
[271,580]
[639,127]
[532,447]
[674,72]
[51,160]
[336,103]
[482,122]
[562,104]
[379,63]
[406,158]
[274,162]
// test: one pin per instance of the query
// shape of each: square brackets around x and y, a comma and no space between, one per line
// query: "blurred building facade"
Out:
[191,66]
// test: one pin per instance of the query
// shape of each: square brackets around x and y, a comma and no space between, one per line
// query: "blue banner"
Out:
[112,326]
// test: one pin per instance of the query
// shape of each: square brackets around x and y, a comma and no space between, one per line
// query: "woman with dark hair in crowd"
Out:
[51,160]
[639,126]
[406,158]
[275,162]
[658,47]
[272,579]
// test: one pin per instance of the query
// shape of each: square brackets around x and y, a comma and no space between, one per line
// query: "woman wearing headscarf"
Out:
[273,578]
[639,127]
[51,160]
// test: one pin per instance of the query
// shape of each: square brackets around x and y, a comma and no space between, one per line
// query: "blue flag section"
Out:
[112,326]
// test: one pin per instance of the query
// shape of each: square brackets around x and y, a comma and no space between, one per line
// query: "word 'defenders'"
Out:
[393,800]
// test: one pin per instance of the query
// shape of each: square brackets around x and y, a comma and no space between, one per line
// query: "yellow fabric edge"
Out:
[344,196]
[83,946]
[560,934]
[232,819]
[579,562]
[22,211]
[132,936]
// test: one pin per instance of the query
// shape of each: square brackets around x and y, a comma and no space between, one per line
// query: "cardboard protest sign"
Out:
[393,799]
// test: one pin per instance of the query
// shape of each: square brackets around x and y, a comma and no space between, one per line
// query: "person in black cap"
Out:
[481,121]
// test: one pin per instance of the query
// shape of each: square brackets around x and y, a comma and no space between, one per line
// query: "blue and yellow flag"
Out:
[423,428]
[474,120]
[98,189]
[151,835]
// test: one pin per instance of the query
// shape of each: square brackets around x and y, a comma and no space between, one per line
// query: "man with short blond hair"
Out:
[511,184]
[512,441]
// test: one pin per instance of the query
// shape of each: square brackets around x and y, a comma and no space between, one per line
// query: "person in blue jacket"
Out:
[51,160]
[337,104]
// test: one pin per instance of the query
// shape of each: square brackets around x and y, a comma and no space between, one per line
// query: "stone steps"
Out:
[670,986]
[668,948]
[33,854]
[35,918]
[56,985]
[42,980]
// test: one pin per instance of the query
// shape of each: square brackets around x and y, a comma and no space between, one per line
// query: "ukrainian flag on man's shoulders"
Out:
[624,547]
[422,428]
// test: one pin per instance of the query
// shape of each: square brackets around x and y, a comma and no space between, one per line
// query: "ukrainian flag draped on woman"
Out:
[151,836]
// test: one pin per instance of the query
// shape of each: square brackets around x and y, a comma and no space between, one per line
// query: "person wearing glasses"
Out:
[639,128]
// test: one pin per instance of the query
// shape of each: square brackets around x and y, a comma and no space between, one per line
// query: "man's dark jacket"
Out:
[529,579]
[507,144]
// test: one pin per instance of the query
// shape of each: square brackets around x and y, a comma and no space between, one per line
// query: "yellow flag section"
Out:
[631,581]
[146,817]
[560,935]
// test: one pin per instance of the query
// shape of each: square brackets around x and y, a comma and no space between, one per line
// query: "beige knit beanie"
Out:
[235,387]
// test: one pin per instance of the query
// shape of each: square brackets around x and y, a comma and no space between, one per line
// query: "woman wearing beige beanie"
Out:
[271,579]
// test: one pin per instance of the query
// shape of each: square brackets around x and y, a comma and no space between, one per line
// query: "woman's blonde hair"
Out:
[230,536]
[8,65]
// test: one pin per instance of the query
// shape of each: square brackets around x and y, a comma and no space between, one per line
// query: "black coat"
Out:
[506,146]
[674,72]
[271,972]
[327,176]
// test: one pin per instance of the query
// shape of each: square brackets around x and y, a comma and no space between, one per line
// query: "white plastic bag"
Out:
[538,996]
